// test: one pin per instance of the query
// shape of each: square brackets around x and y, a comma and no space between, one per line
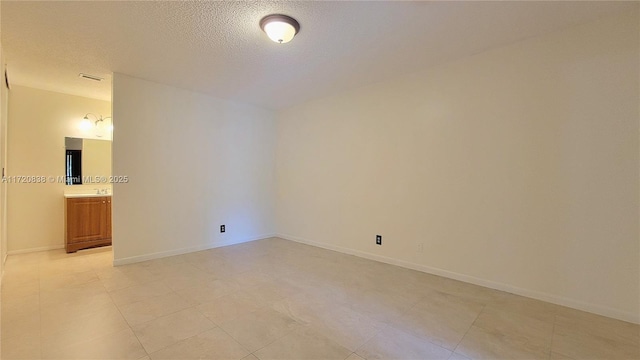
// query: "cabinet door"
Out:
[86,219]
[108,219]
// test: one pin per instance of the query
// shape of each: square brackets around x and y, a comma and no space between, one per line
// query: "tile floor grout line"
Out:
[221,329]
[236,340]
[195,307]
[409,332]
[125,319]
[353,352]
[386,325]
[322,278]
[271,342]
[553,334]
[153,297]
[40,306]
[466,332]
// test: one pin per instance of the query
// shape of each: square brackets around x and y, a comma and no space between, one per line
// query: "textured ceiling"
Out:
[217,47]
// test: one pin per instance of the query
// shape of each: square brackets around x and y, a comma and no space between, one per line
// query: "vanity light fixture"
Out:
[280,28]
[99,123]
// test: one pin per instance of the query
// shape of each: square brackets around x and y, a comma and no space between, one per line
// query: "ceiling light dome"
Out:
[280,28]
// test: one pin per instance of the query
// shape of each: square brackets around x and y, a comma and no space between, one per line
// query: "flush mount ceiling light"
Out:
[280,28]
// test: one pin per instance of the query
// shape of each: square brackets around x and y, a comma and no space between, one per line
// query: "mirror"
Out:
[87,160]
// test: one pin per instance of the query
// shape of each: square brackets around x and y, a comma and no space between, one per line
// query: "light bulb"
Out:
[85,124]
[279,31]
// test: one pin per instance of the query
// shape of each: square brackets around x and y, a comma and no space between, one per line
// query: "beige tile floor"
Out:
[275,299]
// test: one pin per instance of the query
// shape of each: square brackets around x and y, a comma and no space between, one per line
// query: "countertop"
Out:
[85,195]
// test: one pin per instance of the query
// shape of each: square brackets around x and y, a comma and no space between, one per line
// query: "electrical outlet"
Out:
[222,228]
[378,239]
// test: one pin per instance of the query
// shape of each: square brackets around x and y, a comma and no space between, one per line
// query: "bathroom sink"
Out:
[85,195]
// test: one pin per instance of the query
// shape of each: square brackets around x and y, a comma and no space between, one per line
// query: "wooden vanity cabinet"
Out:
[87,222]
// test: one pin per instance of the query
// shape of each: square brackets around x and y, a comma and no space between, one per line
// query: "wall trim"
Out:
[554,299]
[174,252]
[42,248]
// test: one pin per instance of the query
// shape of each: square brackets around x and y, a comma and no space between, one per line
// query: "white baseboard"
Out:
[43,248]
[163,254]
[554,299]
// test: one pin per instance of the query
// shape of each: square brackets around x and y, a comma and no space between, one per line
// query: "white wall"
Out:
[516,168]
[3,194]
[194,163]
[4,99]
[39,121]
